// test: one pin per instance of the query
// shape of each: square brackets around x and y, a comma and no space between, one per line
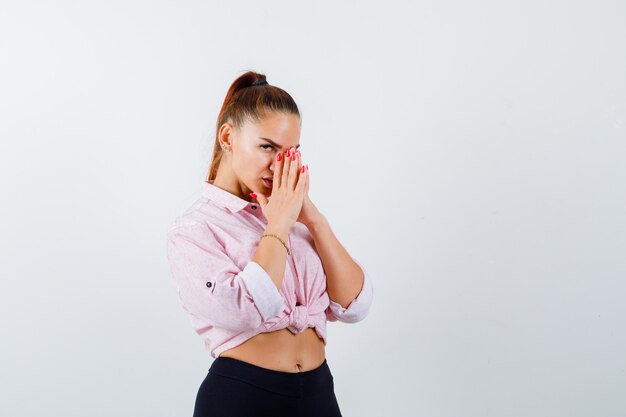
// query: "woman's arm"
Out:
[344,277]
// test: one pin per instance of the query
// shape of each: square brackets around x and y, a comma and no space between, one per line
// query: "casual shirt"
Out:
[228,297]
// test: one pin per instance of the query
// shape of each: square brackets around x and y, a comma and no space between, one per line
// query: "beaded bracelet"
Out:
[281,241]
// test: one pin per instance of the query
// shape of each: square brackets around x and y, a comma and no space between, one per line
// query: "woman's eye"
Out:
[270,146]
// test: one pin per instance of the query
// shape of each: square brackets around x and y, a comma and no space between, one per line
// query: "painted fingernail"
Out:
[302,169]
[279,157]
[253,195]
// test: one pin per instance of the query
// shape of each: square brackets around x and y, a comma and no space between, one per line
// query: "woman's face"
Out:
[256,145]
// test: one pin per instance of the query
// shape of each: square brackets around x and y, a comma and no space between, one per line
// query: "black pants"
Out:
[236,388]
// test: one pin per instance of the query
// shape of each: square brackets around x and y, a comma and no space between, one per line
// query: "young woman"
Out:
[258,269]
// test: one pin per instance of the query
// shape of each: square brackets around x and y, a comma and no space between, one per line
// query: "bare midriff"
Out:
[282,350]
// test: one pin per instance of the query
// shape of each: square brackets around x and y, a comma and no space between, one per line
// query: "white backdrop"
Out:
[470,154]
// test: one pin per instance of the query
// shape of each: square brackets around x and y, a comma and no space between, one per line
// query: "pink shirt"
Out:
[228,297]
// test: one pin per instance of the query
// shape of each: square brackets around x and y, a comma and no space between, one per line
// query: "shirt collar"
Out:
[224,198]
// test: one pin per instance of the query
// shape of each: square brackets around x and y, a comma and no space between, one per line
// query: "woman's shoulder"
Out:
[199,213]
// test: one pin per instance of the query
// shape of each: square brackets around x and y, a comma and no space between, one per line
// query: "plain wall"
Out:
[469,154]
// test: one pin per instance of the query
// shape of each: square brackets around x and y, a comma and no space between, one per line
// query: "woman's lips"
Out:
[268,183]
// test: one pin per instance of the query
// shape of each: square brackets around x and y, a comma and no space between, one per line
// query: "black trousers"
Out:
[236,388]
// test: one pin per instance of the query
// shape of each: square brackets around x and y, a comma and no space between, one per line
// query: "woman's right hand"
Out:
[288,188]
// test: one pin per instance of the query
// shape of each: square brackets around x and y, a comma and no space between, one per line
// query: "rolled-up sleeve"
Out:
[358,309]
[211,286]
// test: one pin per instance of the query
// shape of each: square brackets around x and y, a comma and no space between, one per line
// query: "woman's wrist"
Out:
[318,222]
[279,229]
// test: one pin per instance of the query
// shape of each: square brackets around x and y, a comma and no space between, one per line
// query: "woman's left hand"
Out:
[309,214]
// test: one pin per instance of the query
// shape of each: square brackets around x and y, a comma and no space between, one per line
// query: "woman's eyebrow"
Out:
[276,144]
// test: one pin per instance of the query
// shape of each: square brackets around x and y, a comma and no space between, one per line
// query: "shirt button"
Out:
[208,284]
[253,206]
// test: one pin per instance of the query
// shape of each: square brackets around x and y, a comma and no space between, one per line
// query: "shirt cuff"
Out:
[266,296]
[359,307]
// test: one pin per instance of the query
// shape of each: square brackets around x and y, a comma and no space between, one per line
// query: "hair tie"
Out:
[259,82]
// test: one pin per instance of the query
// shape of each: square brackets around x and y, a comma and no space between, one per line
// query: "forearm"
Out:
[344,277]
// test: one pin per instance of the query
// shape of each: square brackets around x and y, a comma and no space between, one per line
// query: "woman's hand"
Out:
[309,214]
[288,187]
